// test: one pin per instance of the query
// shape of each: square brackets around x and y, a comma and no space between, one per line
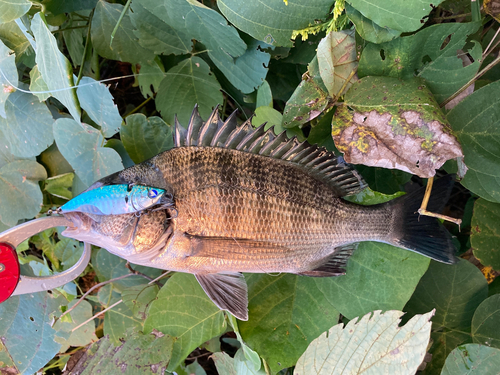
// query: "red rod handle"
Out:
[9,271]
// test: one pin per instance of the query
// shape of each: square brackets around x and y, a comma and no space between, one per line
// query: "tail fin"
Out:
[424,234]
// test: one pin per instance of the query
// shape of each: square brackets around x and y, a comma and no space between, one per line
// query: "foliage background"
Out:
[264,58]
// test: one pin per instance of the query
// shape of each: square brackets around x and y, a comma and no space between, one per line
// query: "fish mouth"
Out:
[129,236]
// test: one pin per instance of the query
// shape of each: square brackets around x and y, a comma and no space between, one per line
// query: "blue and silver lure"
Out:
[115,200]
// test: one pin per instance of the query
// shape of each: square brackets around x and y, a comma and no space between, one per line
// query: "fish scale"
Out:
[247,200]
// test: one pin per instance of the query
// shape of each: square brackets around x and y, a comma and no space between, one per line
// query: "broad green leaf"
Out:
[145,137]
[485,329]
[373,345]
[400,15]
[81,145]
[264,96]
[429,55]
[485,233]
[150,77]
[13,37]
[37,85]
[454,291]
[369,30]
[270,116]
[83,335]
[118,146]
[238,365]
[389,123]
[108,266]
[57,7]
[8,76]
[60,186]
[198,22]
[386,181]
[20,195]
[54,162]
[12,9]
[28,127]
[245,72]
[378,277]
[55,67]
[286,313]
[125,45]
[25,328]
[308,100]
[186,84]
[337,61]
[68,251]
[274,21]
[476,122]
[156,35]
[138,354]
[183,310]
[73,38]
[369,197]
[472,359]
[97,101]
[249,356]
[138,298]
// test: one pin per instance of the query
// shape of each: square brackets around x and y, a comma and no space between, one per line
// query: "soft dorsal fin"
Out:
[317,161]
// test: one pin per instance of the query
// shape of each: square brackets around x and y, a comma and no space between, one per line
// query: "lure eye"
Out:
[153,193]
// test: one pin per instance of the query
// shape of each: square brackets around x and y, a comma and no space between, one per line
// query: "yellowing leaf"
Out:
[394,124]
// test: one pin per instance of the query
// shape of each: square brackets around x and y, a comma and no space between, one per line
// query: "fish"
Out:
[249,200]
[115,200]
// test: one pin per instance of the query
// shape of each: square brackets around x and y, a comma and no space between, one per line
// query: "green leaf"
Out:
[269,115]
[387,181]
[369,30]
[286,313]
[400,15]
[37,84]
[273,21]
[198,22]
[375,344]
[378,277]
[145,137]
[138,354]
[485,329]
[394,124]
[369,197]
[25,328]
[264,96]
[28,127]
[429,55]
[68,251]
[97,101]
[60,186]
[472,359]
[150,76]
[308,100]
[156,35]
[13,37]
[238,365]
[83,335]
[246,72]
[125,45]
[9,70]
[476,122]
[169,314]
[57,7]
[118,146]
[186,84]
[73,38]
[485,233]
[138,298]
[108,266]
[55,67]
[20,195]
[12,9]
[81,146]
[337,60]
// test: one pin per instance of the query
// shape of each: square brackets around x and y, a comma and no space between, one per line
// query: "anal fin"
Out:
[228,291]
[335,264]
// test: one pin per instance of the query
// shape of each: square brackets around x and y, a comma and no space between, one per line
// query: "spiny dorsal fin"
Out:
[317,161]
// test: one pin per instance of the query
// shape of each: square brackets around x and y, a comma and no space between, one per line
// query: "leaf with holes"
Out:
[472,359]
[374,344]
[394,124]
[167,314]
[138,298]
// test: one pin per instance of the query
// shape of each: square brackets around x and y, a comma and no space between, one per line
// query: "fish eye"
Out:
[152,193]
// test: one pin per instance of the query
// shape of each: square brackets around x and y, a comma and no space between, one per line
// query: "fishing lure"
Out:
[116,200]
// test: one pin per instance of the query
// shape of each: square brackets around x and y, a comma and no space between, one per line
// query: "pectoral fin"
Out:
[335,264]
[227,290]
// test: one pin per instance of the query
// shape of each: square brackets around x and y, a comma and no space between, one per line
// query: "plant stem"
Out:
[85,50]
[125,9]
[140,106]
